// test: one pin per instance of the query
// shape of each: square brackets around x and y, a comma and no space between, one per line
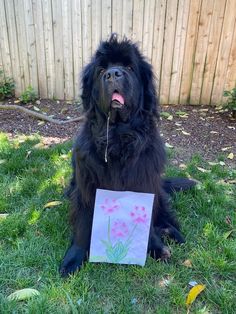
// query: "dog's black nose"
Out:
[113,74]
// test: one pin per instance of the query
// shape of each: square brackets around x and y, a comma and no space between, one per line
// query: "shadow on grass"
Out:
[32,175]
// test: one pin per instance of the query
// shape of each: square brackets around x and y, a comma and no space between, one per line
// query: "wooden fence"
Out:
[191,43]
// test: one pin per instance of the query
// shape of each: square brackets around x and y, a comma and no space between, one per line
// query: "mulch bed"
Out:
[202,129]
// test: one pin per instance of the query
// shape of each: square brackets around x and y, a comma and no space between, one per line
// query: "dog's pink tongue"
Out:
[118,97]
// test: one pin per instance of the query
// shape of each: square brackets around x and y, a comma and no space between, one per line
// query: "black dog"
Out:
[119,147]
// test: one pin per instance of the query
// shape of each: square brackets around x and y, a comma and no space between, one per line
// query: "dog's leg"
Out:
[172,232]
[165,222]
[156,247]
[78,251]
[171,185]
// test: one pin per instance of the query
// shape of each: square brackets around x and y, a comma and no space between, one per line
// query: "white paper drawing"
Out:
[121,226]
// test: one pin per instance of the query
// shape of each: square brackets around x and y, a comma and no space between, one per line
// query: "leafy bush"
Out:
[29,95]
[231,102]
[7,86]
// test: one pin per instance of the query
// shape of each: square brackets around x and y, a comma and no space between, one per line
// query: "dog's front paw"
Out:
[72,260]
[160,253]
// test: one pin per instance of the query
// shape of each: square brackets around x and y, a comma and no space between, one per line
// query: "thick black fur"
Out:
[135,151]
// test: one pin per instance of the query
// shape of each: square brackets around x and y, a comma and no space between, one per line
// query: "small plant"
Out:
[29,95]
[7,86]
[231,101]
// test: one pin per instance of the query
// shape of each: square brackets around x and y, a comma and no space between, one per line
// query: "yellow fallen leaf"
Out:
[52,204]
[39,145]
[222,163]
[188,263]
[230,156]
[193,293]
[170,118]
[211,163]
[41,123]
[186,133]
[16,101]
[183,166]
[226,148]
[36,108]
[203,170]
[23,294]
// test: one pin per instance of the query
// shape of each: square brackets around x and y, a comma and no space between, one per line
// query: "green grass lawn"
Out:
[33,241]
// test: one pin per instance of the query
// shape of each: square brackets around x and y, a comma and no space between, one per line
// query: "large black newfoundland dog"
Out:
[119,147]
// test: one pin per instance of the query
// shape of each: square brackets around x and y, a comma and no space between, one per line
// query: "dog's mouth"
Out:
[117,100]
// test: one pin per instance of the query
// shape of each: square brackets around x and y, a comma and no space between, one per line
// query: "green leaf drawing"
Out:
[117,253]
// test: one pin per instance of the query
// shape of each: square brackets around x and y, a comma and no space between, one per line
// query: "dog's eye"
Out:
[129,67]
[101,70]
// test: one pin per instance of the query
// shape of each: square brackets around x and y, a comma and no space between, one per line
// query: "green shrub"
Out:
[29,95]
[7,86]
[231,101]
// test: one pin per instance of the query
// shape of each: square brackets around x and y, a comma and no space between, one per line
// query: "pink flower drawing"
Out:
[139,215]
[110,206]
[119,230]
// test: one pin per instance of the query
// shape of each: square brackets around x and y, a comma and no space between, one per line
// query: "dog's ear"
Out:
[151,102]
[87,83]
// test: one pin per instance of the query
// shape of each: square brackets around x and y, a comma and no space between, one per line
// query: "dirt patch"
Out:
[203,130]
[189,129]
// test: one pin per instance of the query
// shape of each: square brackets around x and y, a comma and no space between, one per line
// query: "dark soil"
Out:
[202,130]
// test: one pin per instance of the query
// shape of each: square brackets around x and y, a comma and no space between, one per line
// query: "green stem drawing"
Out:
[117,252]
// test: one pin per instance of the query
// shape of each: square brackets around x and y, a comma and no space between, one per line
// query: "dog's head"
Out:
[119,80]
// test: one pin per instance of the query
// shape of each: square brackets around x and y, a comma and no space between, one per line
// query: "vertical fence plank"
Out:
[178,55]
[212,50]
[67,49]
[201,50]
[96,23]
[224,52]
[39,35]
[169,38]
[157,50]
[13,43]
[137,32]
[4,41]
[1,61]
[190,45]
[58,78]
[22,41]
[31,45]
[77,45]
[148,21]
[230,80]
[117,16]
[49,45]
[86,30]
[127,18]
[106,19]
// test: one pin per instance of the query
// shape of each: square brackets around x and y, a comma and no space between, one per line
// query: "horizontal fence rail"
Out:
[190,43]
